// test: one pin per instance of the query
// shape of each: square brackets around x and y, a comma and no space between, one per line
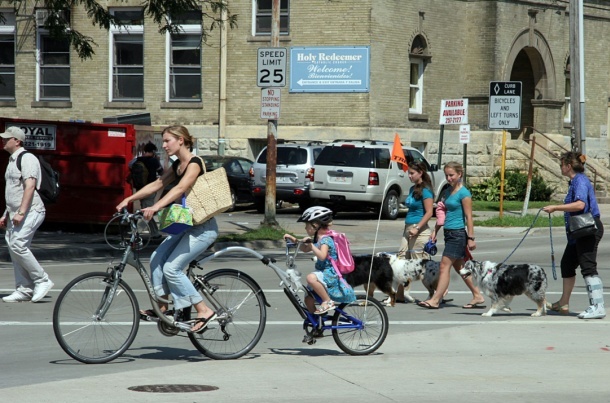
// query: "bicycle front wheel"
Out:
[242,315]
[370,336]
[85,334]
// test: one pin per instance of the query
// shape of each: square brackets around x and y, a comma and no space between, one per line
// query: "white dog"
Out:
[406,271]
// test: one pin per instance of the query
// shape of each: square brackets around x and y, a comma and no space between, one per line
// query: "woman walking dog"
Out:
[459,235]
[583,251]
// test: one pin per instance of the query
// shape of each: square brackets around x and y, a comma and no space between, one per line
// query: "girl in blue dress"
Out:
[324,281]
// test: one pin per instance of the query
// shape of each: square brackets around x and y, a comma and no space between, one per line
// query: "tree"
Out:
[157,10]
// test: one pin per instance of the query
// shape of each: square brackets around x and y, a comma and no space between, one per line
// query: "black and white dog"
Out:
[406,271]
[502,282]
[381,274]
[388,271]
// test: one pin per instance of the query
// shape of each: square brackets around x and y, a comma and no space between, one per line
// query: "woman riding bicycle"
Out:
[176,251]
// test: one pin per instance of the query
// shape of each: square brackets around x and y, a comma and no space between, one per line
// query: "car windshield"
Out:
[287,156]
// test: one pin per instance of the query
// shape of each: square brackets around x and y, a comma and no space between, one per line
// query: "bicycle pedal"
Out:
[148,318]
[307,339]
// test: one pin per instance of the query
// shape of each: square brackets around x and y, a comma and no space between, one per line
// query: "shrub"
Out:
[515,187]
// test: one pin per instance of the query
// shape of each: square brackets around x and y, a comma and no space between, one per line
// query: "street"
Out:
[451,353]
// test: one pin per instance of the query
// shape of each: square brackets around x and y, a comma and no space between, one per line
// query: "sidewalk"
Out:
[61,245]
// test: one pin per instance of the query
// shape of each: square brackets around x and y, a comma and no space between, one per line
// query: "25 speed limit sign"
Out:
[271,70]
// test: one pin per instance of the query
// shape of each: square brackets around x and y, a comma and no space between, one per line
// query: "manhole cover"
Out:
[172,388]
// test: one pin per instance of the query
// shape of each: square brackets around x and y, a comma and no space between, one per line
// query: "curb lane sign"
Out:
[271,71]
[270,103]
[505,105]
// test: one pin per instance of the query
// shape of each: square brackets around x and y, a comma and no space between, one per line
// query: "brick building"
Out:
[420,52]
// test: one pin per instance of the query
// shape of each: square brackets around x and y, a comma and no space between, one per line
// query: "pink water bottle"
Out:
[441,211]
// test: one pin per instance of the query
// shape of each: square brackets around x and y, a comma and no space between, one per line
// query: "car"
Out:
[238,169]
[359,175]
[293,173]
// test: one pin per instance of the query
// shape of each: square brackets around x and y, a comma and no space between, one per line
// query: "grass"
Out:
[510,219]
[518,221]
[513,205]
[261,233]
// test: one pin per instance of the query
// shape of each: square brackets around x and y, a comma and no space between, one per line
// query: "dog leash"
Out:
[527,232]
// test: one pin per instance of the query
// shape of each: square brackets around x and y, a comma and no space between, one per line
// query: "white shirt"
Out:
[13,192]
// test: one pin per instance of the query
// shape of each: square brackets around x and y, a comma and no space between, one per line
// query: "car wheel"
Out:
[389,208]
[259,205]
[304,205]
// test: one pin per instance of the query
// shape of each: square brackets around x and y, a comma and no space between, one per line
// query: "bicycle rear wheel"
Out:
[241,316]
[81,333]
[371,336]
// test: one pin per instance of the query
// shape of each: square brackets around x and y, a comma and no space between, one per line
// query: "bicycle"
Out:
[96,316]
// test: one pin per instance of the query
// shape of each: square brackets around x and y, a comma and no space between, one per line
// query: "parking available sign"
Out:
[454,112]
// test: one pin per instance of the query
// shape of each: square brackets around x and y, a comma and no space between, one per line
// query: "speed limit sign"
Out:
[271,70]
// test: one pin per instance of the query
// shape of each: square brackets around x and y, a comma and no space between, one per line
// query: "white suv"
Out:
[294,169]
[358,174]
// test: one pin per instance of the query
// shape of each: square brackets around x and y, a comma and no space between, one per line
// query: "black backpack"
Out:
[138,175]
[49,181]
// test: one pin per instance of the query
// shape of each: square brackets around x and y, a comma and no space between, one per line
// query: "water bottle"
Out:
[295,277]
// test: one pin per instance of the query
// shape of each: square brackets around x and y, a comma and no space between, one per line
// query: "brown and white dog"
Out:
[502,282]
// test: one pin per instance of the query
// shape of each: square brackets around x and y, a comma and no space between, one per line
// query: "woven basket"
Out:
[210,195]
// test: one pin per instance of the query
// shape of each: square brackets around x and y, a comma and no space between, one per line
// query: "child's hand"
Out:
[306,239]
[288,237]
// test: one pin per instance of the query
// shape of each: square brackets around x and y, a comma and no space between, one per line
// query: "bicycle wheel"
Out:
[375,326]
[242,315]
[84,336]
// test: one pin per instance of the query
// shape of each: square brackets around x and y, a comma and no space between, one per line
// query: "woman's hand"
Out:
[549,209]
[122,205]
[413,232]
[149,212]
[472,245]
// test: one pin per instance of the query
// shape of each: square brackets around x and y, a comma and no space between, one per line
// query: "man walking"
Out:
[23,215]
[153,171]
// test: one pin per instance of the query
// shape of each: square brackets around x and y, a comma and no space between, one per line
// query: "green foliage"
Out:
[489,190]
[157,10]
[515,187]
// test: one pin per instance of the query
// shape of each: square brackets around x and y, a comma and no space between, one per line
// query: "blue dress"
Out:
[338,291]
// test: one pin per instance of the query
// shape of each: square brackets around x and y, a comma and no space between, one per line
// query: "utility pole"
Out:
[222,87]
[270,188]
[577,76]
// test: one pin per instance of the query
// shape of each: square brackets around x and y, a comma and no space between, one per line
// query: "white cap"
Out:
[15,132]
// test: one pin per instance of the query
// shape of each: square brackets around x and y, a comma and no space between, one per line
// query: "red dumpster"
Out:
[92,161]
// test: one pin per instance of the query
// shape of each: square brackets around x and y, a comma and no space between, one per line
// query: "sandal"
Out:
[200,324]
[561,309]
[325,307]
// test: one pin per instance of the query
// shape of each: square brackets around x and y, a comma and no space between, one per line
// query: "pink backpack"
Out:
[345,261]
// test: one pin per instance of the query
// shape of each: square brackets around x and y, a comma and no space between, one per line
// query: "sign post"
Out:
[504,113]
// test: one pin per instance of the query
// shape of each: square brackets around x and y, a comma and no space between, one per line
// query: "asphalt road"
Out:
[450,354]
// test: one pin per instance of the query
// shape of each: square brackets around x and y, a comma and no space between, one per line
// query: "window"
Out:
[416,84]
[262,17]
[417,56]
[127,56]
[184,67]
[567,113]
[53,72]
[7,57]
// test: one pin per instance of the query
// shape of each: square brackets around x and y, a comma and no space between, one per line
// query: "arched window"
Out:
[417,57]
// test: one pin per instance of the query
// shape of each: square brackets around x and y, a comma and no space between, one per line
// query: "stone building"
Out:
[419,53]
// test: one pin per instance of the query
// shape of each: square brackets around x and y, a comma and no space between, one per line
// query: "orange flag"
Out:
[397,154]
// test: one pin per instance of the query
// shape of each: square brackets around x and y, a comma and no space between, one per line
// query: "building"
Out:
[419,53]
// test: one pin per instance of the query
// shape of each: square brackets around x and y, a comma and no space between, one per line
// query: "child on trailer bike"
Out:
[324,281]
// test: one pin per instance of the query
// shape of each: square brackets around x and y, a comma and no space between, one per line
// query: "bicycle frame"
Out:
[288,284]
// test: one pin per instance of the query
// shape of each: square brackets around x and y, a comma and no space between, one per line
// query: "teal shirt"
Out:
[455,212]
[416,206]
